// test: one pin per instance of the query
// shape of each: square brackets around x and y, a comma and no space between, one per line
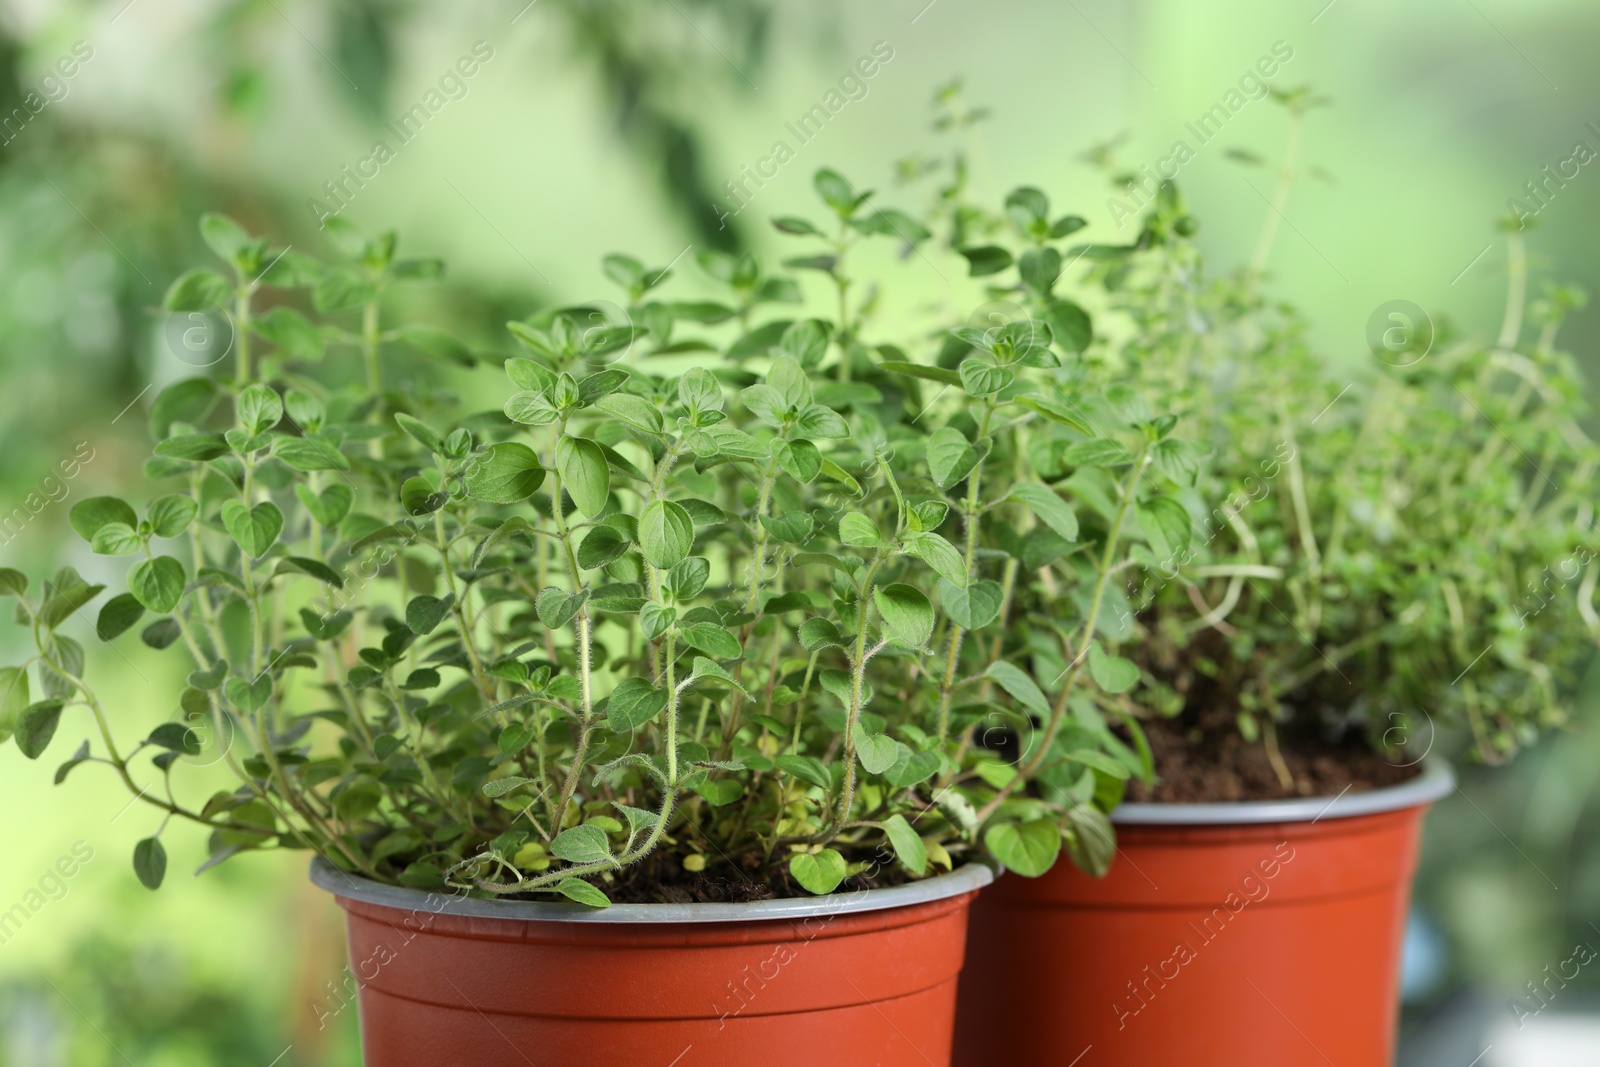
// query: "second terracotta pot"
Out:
[864,979]
[1254,933]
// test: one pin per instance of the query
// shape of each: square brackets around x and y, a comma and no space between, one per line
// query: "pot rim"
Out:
[1436,781]
[967,878]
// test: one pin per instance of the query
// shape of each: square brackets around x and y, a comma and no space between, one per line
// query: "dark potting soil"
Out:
[1196,763]
[664,881]
[1200,763]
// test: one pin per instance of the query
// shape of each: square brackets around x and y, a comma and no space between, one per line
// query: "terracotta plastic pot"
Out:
[864,978]
[1263,932]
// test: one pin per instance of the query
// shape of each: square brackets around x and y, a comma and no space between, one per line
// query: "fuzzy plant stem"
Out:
[1280,197]
[653,838]
[1091,620]
[858,670]
[970,515]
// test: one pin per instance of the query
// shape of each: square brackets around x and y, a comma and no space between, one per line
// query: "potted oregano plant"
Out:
[671,702]
[1385,561]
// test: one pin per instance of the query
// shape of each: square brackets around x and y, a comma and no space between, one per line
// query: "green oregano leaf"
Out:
[688,577]
[585,474]
[906,613]
[117,616]
[711,639]
[581,844]
[945,559]
[87,516]
[1049,506]
[157,583]
[858,530]
[582,892]
[328,507]
[808,769]
[170,515]
[877,752]
[150,862]
[36,725]
[1111,673]
[979,378]
[819,872]
[600,546]
[197,290]
[799,459]
[13,699]
[666,533]
[950,457]
[425,612]
[253,529]
[633,703]
[421,432]
[1029,849]
[908,847]
[974,607]
[258,409]
[1019,685]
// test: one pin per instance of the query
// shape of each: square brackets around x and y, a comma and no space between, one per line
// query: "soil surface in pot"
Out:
[1209,762]
[664,881]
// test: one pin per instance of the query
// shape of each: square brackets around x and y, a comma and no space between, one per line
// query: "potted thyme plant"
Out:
[639,712]
[1383,561]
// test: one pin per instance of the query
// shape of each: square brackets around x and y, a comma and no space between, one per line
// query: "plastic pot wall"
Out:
[1265,940]
[864,978]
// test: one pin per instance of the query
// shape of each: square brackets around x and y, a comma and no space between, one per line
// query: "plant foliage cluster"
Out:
[770,614]
[730,590]
[1400,547]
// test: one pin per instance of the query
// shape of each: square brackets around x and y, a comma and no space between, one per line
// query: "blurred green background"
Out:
[609,125]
